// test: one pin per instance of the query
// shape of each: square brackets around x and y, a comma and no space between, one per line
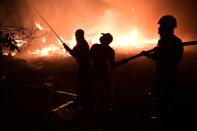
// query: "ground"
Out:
[30,95]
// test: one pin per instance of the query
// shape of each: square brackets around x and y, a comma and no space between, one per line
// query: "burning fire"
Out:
[53,49]
[125,41]
[43,39]
[39,26]
[50,50]
[132,39]
[20,42]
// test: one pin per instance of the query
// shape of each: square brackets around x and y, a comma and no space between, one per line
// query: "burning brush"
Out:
[7,41]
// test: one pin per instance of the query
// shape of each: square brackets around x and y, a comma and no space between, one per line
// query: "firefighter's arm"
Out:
[114,64]
[67,48]
[151,53]
[71,52]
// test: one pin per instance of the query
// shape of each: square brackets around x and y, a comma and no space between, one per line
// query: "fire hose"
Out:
[188,43]
[65,46]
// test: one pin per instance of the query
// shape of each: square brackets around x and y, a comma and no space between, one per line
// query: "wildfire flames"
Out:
[132,40]
[123,42]
[50,50]
[132,26]
[39,26]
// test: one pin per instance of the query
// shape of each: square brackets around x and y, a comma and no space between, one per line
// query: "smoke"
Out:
[96,16]
[13,12]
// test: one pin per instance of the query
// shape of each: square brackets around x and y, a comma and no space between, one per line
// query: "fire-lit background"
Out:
[133,23]
[35,77]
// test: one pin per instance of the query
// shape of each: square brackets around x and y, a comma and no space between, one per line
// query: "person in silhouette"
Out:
[168,54]
[102,58]
[81,53]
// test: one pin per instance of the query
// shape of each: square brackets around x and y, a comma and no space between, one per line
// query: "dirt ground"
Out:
[30,94]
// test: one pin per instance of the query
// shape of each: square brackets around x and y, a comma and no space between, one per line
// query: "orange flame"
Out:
[43,39]
[50,50]
[20,42]
[125,41]
[39,26]
[132,40]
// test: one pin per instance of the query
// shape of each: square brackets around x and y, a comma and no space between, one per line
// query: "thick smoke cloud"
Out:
[97,16]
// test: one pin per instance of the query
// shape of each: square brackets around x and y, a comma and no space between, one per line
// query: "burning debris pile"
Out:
[39,41]
[8,43]
[19,39]
[130,24]
[14,39]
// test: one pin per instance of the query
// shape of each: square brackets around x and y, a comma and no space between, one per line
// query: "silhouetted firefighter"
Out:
[81,53]
[102,57]
[167,54]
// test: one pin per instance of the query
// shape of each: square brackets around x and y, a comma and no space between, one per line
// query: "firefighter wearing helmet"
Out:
[167,56]
[168,21]
[79,32]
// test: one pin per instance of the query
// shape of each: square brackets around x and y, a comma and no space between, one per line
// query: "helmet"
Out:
[79,32]
[107,37]
[168,20]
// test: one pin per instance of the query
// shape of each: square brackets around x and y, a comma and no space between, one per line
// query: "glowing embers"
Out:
[20,42]
[54,49]
[43,39]
[133,39]
[50,50]
[122,41]
[39,26]
[126,40]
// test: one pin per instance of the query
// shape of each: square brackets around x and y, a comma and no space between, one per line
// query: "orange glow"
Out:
[6,53]
[39,26]
[132,23]
[20,42]
[43,39]
[50,50]
[123,42]
[133,39]
[125,37]
[55,49]
[130,39]
[13,53]
[123,24]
